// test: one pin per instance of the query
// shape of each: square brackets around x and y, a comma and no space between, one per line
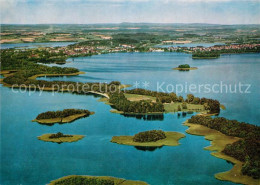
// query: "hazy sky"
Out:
[116,11]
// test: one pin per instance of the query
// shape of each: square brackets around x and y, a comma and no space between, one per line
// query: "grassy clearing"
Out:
[173,107]
[136,97]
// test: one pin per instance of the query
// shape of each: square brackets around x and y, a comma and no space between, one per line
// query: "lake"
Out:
[35,45]
[26,160]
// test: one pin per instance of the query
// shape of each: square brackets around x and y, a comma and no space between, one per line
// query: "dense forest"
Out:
[121,103]
[246,150]
[149,136]
[59,135]
[81,180]
[211,105]
[62,114]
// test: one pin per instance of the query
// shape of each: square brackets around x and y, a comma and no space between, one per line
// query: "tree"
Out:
[190,98]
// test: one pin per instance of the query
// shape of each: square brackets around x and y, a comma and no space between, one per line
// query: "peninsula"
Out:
[233,141]
[64,116]
[60,138]
[152,138]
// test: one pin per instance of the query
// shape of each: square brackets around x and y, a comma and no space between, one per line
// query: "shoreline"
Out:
[218,141]
[172,139]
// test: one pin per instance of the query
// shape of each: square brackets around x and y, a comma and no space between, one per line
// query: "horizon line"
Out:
[126,23]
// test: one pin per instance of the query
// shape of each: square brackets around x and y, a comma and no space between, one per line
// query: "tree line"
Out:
[80,180]
[121,103]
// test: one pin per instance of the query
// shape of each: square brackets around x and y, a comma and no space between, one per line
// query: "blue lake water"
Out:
[26,160]
[35,45]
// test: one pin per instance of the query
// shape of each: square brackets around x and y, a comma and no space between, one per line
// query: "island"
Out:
[64,116]
[152,138]
[184,67]
[94,180]
[234,141]
[60,138]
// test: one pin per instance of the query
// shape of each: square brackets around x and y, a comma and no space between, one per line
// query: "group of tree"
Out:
[59,135]
[247,149]
[81,180]
[121,103]
[184,66]
[149,136]
[62,114]
[213,106]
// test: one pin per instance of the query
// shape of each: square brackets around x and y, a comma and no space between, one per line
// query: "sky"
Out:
[117,11]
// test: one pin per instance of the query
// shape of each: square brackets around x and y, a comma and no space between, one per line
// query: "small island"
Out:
[65,116]
[153,138]
[184,67]
[94,180]
[60,138]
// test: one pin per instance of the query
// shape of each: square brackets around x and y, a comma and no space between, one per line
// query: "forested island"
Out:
[205,55]
[64,116]
[93,180]
[242,145]
[185,67]
[60,138]
[152,138]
